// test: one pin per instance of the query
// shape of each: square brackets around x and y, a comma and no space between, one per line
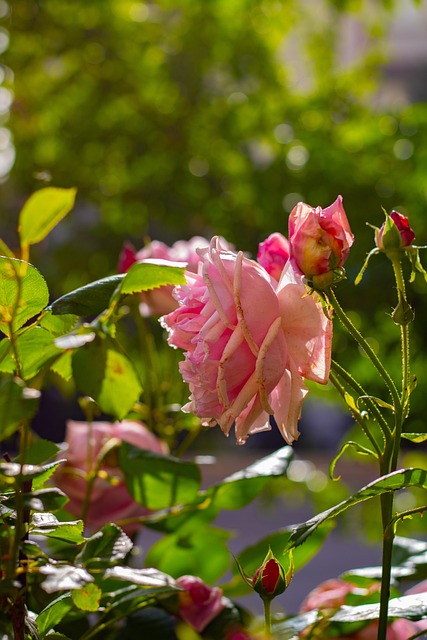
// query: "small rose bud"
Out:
[395,233]
[270,580]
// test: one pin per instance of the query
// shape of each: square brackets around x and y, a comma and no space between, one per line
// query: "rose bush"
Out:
[249,343]
[109,500]
[319,239]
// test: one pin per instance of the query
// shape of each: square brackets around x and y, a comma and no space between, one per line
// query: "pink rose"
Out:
[397,235]
[110,500]
[332,594]
[273,254]
[320,239]
[160,300]
[198,604]
[249,343]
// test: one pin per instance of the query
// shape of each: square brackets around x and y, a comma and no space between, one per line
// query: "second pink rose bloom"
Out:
[249,343]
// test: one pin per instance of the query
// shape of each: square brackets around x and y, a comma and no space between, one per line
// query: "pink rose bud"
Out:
[198,604]
[320,239]
[395,233]
[273,254]
[249,343]
[110,500]
[270,579]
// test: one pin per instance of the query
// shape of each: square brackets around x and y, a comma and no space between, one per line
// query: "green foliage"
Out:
[42,212]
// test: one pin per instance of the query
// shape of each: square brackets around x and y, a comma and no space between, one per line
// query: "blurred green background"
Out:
[183,117]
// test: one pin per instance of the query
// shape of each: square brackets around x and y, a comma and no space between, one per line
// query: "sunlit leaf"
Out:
[144,276]
[415,437]
[23,293]
[42,212]
[53,613]
[108,377]
[412,607]
[35,349]
[48,525]
[58,325]
[87,598]
[64,577]
[143,577]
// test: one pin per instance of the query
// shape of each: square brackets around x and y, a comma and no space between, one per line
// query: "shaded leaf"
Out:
[157,481]
[18,404]
[105,547]
[88,300]
[40,500]
[23,293]
[41,451]
[242,487]
[202,552]
[58,325]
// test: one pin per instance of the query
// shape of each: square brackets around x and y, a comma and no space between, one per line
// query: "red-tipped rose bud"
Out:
[395,233]
[270,580]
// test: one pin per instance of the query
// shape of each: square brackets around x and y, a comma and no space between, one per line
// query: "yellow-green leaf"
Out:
[42,212]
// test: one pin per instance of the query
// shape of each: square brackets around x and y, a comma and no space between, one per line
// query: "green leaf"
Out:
[40,500]
[293,627]
[42,212]
[27,471]
[202,552]
[415,437]
[35,349]
[105,547]
[53,614]
[144,276]
[88,300]
[46,524]
[64,577]
[242,487]
[41,451]
[157,481]
[87,598]
[23,294]
[108,377]
[360,449]
[7,363]
[18,403]
[63,366]
[142,577]
[392,482]
[58,325]
[413,607]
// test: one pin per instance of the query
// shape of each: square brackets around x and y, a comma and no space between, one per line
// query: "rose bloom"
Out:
[198,604]
[109,501]
[249,343]
[401,222]
[332,594]
[160,300]
[319,239]
[273,254]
